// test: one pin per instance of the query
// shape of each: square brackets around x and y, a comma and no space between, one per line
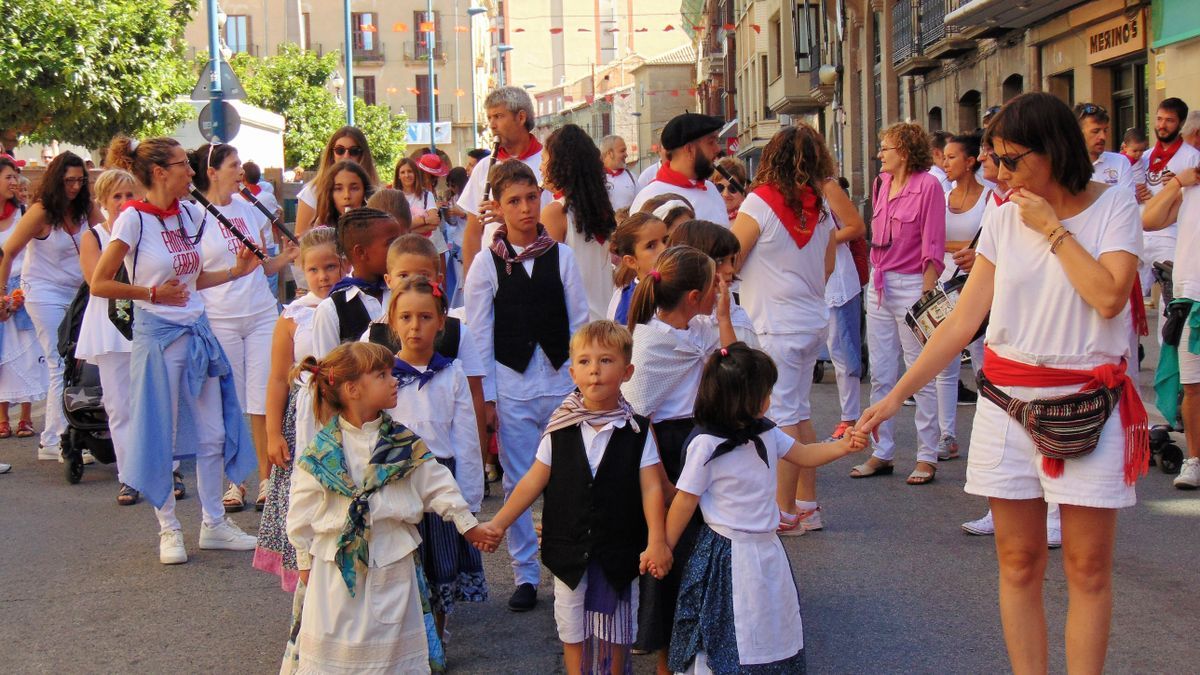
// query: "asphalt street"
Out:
[892,585]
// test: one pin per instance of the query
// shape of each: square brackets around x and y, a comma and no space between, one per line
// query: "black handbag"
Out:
[120,310]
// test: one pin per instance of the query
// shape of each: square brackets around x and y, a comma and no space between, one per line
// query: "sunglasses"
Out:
[353,151]
[724,187]
[1009,163]
[1089,109]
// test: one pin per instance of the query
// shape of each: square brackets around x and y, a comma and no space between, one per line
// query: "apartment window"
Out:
[421,24]
[364,88]
[365,32]
[424,92]
[306,35]
[1062,85]
[806,31]
[237,33]
[767,114]
[775,41]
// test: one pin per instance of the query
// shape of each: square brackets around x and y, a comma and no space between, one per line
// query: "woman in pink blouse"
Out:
[908,238]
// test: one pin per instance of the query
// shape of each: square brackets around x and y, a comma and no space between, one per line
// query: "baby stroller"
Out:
[87,421]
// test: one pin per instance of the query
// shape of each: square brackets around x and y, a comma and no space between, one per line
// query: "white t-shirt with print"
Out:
[245,296]
[1185,158]
[1112,169]
[1037,315]
[164,249]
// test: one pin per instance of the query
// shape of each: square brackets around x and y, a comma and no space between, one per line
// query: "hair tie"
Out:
[133,144]
[724,351]
[655,275]
[437,289]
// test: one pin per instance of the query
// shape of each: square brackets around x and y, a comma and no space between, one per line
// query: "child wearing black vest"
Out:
[363,236]
[603,524]
[524,299]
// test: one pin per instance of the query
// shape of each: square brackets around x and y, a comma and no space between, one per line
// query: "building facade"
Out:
[390,49]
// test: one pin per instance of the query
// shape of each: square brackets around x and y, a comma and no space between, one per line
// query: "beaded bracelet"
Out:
[1058,242]
[1050,237]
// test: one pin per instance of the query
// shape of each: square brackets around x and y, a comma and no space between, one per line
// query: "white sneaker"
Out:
[790,526]
[810,519]
[5,468]
[983,527]
[87,457]
[1053,537]
[947,448]
[170,548]
[1189,474]
[226,537]
[50,453]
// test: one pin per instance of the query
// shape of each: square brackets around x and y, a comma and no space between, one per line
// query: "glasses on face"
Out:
[181,162]
[1009,163]
[80,181]
[884,148]
[353,151]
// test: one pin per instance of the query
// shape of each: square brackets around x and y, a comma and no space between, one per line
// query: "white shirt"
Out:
[783,287]
[595,267]
[308,195]
[264,197]
[707,203]
[1137,171]
[1184,158]
[595,442]
[245,296]
[443,415]
[937,172]
[962,227]
[622,188]
[842,286]
[540,377]
[164,254]
[97,334]
[1112,169]
[1037,315]
[667,364]
[468,355]
[983,181]
[737,489]
[54,262]
[325,324]
[300,311]
[1186,276]
[647,175]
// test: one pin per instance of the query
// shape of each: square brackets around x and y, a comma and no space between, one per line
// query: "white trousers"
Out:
[114,379]
[210,427]
[889,337]
[844,342]
[947,388]
[247,344]
[521,426]
[47,315]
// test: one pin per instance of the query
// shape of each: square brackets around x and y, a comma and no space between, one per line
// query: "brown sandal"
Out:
[920,477]
[5,429]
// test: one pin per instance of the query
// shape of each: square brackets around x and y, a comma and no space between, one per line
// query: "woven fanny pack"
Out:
[1062,427]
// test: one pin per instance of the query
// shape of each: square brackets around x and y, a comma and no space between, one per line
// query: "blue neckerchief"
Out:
[735,439]
[405,374]
[151,420]
[622,314]
[373,289]
[397,453]
[20,319]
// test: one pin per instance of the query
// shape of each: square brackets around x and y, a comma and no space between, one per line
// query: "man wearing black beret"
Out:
[690,142]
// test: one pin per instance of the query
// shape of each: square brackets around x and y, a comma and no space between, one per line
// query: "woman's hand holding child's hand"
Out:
[855,440]
[485,536]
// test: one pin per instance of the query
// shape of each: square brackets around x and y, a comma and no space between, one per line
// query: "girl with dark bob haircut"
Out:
[1043,124]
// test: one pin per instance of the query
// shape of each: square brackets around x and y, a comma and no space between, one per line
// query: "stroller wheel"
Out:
[72,454]
[1171,459]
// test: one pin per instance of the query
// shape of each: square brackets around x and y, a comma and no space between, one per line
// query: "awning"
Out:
[1006,13]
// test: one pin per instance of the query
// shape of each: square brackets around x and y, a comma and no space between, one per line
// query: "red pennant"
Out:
[668,28]
[729,26]
[555,31]
[625,94]
[612,30]
[582,30]
[518,30]
[589,98]
[692,91]
[674,92]
[642,30]
[757,28]
[414,90]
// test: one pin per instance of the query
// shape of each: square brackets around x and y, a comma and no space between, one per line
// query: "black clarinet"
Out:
[275,220]
[487,186]
[733,182]
[230,227]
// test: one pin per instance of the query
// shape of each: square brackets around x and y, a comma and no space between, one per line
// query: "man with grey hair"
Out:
[510,117]
[622,186]
[1191,129]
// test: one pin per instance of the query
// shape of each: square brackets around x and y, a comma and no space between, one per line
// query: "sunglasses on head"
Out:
[1089,109]
[353,151]
[1009,163]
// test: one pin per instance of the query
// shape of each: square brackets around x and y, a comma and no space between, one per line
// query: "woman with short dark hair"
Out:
[50,272]
[1058,420]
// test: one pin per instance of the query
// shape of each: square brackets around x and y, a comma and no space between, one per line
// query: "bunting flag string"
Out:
[428,26]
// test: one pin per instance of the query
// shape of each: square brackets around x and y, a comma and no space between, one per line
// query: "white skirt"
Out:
[378,630]
[23,374]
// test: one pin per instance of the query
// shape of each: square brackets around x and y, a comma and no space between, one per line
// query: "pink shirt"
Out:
[908,231]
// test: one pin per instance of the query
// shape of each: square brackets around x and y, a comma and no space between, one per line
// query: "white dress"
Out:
[97,334]
[380,628]
[301,312]
[23,375]
[595,266]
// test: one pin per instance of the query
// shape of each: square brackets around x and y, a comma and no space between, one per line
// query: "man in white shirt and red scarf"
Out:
[622,185]
[690,141]
[1169,156]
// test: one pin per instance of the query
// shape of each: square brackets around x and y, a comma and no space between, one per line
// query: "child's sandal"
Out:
[5,429]
[25,429]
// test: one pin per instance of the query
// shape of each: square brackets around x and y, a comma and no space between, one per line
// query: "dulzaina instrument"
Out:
[733,182]
[487,186]
[276,222]
[229,227]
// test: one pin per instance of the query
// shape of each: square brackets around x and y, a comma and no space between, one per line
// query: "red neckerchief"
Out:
[147,207]
[1005,372]
[10,205]
[558,195]
[253,188]
[1000,200]
[1137,308]
[800,228]
[1161,155]
[614,172]
[532,149]
[1132,161]
[672,177]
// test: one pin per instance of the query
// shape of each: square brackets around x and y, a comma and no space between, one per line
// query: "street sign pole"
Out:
[433,88]
[215,94]
[349,66]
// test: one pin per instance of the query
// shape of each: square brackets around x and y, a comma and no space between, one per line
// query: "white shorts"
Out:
[247,345]
[572,620]
[795,355]
[1189,363]
[1003,463]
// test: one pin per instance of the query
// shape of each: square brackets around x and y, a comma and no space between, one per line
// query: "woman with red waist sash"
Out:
[1055,267]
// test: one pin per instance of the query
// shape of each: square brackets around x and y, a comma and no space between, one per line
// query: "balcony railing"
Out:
[904,22]
[418,51]
[419,114]
[933,21]
[373,54]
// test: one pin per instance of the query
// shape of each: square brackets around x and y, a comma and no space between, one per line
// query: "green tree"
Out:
[83,71]
[293,83]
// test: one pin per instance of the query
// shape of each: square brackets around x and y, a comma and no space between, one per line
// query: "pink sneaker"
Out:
[810,519]
[789,525]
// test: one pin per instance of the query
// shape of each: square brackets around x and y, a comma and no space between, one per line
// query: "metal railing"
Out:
[375,53]
[418,51]
[933,20]
[420,113]
[904,24]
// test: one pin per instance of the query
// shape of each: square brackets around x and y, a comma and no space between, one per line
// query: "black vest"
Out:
[602,516]
[352,315]
[445,344]
[531,312]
